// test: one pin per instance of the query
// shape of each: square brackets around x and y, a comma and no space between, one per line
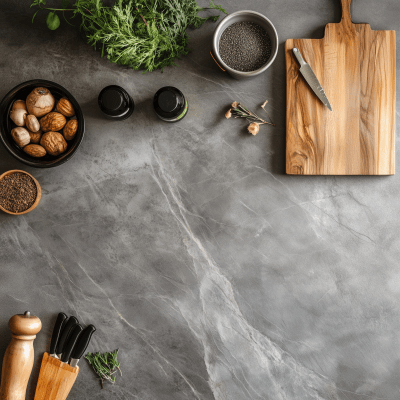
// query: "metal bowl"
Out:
[21,92]
[245,16]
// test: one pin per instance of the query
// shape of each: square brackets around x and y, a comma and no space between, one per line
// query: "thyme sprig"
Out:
[105,365]
[238,110]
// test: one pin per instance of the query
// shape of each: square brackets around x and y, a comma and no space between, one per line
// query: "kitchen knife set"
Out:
[69,340]
[59,369]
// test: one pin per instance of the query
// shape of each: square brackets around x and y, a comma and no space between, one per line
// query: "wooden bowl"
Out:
[38,197]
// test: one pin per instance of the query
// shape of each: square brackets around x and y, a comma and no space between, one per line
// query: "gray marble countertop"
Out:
[215,274]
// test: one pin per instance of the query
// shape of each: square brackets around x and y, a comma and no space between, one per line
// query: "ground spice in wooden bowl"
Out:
[19,192]
[245,46]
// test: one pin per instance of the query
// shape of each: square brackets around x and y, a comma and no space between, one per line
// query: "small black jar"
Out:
[116,103]
[170,104]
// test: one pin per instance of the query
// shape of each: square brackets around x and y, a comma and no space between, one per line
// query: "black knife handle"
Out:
[67,328]
[73,337]
[56,331]
[83,342]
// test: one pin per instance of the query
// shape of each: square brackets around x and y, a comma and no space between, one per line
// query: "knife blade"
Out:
[70,344]
[311,78]
[66,331]
[81,345]
[56,332]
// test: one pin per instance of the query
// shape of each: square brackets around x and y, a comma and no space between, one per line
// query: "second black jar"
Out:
[170,104]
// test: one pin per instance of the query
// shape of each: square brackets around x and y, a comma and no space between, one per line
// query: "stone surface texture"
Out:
[215,274]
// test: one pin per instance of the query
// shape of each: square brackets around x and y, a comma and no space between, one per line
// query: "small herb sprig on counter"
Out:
[140,34]
[238,110]
[105,365]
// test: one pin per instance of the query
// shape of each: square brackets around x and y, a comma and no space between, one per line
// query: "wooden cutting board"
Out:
[357,69]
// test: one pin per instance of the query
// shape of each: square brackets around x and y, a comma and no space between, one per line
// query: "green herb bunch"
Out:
[104,365]
[140,34]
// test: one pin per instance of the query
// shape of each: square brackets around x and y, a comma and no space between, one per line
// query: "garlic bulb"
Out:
[40,102]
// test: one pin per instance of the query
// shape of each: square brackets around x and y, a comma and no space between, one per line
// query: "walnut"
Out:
[53,121]
[54,143]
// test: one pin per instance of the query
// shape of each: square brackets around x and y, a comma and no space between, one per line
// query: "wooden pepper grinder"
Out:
[18,358]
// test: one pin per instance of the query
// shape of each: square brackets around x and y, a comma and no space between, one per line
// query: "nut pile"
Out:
[18,192]
[39,123]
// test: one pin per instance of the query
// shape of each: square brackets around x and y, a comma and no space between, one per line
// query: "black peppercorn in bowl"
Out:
[21,92]
[238,38]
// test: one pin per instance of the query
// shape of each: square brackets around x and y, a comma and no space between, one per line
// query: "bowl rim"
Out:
[38,196]
[221,25]
[9,148]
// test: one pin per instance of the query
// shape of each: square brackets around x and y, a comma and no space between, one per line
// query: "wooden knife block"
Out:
[55,379]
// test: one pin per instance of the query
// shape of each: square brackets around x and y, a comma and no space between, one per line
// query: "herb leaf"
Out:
[52,20]
[104,365]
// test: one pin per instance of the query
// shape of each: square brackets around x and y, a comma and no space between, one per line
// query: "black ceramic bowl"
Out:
[21,92]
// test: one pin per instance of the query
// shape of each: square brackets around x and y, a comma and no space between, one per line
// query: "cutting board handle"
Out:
[346,13]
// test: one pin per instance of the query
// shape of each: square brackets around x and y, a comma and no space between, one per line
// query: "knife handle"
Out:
[73,337]
[298,56]
[83,342]
[67,328]
[56,331]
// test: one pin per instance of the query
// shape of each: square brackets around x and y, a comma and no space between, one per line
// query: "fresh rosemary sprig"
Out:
[104,365]
[140,34]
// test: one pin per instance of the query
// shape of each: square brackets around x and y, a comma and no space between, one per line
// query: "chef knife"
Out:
[81,345]
[56,332]
[311,78]
[67,329]
[70,344]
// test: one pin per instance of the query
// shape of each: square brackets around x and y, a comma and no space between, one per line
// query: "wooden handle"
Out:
[346,11]
[18,358]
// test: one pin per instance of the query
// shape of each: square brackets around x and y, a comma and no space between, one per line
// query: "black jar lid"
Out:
[169,102]
[116,103]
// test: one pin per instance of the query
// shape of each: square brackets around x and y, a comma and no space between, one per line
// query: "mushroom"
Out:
[19,104]
[21,136]
[18,116]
